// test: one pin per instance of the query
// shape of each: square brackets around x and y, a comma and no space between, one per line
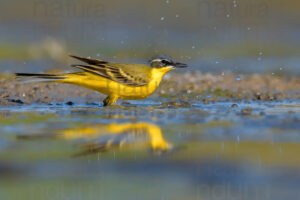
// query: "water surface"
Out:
[148,150]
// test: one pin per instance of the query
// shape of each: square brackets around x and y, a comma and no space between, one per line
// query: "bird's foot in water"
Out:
[109,100]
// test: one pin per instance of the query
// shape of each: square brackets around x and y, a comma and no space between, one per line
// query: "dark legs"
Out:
[109,100]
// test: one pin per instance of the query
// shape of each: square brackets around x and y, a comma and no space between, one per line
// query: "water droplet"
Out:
[259,160]
[280,68]
[238,139]
[167,1]
[273,73]
[280,149]
[249,28]
[228,15]
[238,78]
[162,18]
[234,3]
[176,15]
[193,47]
[217,62]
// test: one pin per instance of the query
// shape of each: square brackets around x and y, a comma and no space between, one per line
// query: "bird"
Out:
[128,81]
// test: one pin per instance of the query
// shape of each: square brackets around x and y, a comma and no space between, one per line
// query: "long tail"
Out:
[30,78]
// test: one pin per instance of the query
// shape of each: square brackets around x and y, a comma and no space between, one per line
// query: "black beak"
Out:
[180,65]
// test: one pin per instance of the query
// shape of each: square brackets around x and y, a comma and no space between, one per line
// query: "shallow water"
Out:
[148,150]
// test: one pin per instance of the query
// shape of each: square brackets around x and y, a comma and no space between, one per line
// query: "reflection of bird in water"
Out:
[104,137]
[101,137]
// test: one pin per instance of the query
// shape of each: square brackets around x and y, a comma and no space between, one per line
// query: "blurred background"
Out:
[253,36]
[226,133]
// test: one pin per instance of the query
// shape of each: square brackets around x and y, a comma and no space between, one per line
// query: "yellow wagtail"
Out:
[117,80]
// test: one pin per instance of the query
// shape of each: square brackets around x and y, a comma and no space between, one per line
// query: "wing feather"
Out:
[89,61]
[137,75]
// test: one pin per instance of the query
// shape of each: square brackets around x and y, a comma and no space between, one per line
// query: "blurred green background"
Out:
[220,150]
[210,35]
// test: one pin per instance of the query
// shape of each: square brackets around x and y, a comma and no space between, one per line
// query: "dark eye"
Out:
[165,62]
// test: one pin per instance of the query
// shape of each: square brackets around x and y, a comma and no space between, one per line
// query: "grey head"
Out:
[160,61]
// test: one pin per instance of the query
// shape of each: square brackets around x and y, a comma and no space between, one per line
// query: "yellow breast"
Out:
[121,90]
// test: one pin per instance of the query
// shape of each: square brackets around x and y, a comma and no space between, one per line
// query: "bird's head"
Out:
[165,63]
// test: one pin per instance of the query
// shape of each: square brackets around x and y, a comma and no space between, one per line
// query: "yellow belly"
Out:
[109,87]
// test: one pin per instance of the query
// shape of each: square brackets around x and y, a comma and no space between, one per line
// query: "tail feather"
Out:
[29,78]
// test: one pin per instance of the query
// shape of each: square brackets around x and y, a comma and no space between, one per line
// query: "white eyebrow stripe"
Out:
[156,60]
